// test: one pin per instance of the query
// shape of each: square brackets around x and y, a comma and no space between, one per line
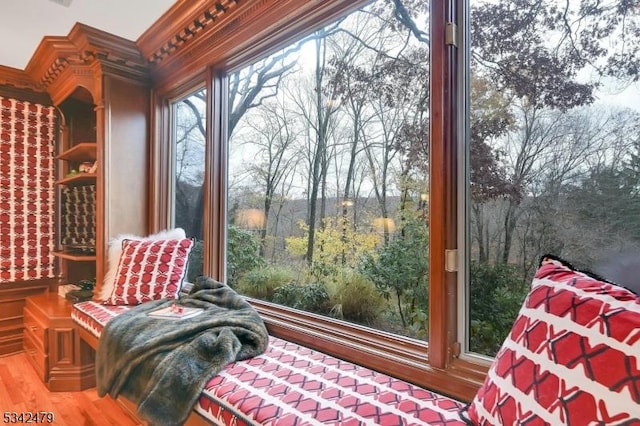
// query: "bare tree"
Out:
[317,110]
[189,173]
[548,153]
[272,134]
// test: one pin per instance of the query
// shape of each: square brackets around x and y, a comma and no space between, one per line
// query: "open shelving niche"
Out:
[76,146]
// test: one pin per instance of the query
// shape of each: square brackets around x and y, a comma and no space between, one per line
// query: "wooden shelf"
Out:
[75,255]
[84,151]
[80,178]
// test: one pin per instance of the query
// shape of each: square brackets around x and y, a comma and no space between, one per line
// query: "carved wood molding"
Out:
[243,32]
[185,40]
[183,34]
[18,79]
[84,46]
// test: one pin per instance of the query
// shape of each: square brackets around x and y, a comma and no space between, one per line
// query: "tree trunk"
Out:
[483,255]
[316,171]
[510,222]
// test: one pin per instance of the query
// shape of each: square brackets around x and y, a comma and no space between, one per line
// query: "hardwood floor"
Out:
[21,391]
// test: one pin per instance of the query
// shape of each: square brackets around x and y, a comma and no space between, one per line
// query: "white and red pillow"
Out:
[572,357]
[150,270]
[105,288]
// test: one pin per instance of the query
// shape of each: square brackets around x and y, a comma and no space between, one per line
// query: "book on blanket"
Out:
[175,312]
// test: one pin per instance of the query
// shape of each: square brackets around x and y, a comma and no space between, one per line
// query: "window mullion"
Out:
[443,184]
[215,181]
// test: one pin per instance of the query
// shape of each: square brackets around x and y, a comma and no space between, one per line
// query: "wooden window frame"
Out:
[435,365]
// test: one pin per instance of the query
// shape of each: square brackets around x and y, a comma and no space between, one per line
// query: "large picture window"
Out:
[326,200]
[344,176]
[328,172]
[554,149]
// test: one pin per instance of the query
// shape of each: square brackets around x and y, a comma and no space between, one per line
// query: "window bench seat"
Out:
[293,385]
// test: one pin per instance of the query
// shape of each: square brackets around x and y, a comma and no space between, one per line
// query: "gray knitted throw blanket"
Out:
[162,365]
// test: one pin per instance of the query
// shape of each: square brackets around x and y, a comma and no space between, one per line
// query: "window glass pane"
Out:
[554,149]
[328,171]
[189,120]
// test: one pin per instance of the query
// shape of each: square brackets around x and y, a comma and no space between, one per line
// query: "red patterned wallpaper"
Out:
[27,222]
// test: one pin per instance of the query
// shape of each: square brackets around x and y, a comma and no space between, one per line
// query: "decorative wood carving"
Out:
[61,64]
[191,29]
[18,79]
[176,27]
[249,28]
[70,78]
[50,56]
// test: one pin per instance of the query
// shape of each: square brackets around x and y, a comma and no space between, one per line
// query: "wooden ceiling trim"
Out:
[91,41]
[191,30]
[18,78]
[179,25]
[85,46]
[277,23]
[49,59]
[54,70]
[251,29]
[179,16]
[247,27]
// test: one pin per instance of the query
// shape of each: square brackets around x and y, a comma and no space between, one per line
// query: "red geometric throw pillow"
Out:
[150,270]
[572,357]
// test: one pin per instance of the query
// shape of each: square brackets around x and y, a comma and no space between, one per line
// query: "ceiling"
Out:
[23,23]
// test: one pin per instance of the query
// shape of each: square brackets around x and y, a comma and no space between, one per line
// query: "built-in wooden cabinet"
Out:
[101,87]
[12,301]
[64,362]
[76,159]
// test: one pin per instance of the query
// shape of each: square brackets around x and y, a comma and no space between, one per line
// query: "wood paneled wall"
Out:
[12,299]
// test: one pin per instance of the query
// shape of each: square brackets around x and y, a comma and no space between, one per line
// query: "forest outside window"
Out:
[554,148]
[328,172]
[188,144]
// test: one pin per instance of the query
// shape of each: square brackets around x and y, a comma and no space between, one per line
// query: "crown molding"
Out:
[184,22]
[226,34]
[190,37]
[84,48]
[106,46]
[18,79]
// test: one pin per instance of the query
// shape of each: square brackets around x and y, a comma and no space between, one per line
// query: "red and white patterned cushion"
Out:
[572,357]
[290,384]
[93,316]
[150,270]
[293,385]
